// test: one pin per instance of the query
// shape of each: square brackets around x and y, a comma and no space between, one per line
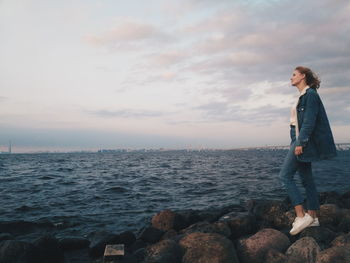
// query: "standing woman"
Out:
[312,140]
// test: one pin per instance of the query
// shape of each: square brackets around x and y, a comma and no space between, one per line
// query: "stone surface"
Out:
[99,240]
[151,234]
[12,251]
[269,212]
[305,249]
[71,243]
[165,251]
[274,256]
[206,227]
[240,223]
[342,240]
[323,236]
[207,248]
[6,236]
[329,214]
[254,248]
[167,219]
[334,255]
[50,249]
[127,238]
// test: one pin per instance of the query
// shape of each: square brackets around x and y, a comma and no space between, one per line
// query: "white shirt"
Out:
[293,112]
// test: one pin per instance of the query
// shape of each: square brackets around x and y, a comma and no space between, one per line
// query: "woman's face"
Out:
[296,78]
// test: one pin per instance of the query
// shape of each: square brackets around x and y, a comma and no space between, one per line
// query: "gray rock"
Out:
[334,255]
[99,240]
[240,223]
[167,219]
[305,249]
[206,227]
[71,243]
[50,249]
[274,256]
[254,248]
[12,251]
[329,214]
[165,251]
[342,240]
[6,236]
[207,248]
[322,235]
[151,235]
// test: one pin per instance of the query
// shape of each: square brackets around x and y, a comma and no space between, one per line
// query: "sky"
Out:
[87,75]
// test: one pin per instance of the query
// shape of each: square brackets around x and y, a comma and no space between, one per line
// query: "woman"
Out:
[312,140]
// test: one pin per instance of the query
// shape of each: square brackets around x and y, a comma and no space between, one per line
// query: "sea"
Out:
[120,191]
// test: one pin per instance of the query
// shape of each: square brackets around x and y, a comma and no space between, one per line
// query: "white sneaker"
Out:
[315,222]
[301,223]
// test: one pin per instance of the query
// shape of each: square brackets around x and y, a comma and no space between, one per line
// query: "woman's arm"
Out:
[307,126]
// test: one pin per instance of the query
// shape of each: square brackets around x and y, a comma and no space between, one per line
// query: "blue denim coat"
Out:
[315,135]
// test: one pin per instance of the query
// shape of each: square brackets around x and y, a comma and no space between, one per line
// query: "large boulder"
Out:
[165,251]
[274,256]
[240,223]
[50,249]
[329,214]
[254,248]
[334,255]
[72,243]
[151,234]
[12,251]
[99,240]
[322,235]
[167,219]
[206,227]
[305,249]
[207,248]
[342,240]
[270,213]
[330,198]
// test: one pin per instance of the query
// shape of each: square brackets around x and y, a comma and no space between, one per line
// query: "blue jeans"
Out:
[290,166]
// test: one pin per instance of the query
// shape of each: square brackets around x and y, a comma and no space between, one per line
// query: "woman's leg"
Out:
[288,170]
[312,201]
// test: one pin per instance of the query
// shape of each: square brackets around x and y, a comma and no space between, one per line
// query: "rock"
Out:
[138,244]
[171,234]
[6,236]
[240,223]
[274,256]
[305,249]
[330,198]
[207,248]
[12,251]
[99,240]
[334,255]
[23,227]
[254,248]
[270,212]
[49,248]
[151,235]
[206,227]
[344,225]
[329,214]
[345,198]
[165,251]
[127,238]
[71,243]
[342,240]
[167,219]
[323,236]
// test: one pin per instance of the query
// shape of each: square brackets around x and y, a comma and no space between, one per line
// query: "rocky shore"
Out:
[256,232]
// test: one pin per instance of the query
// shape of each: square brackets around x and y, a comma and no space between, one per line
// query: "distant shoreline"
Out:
[340,147]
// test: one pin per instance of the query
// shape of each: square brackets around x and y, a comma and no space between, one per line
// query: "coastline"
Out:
[254,232]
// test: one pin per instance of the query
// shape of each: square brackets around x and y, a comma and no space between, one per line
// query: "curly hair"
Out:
[311,79]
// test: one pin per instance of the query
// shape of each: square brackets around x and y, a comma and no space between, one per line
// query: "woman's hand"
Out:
[298,150]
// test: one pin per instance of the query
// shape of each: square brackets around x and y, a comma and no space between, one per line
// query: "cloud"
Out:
[2,98]
[129,114]
[126,32]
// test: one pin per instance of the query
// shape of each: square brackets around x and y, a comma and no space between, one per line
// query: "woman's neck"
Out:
[301,86]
